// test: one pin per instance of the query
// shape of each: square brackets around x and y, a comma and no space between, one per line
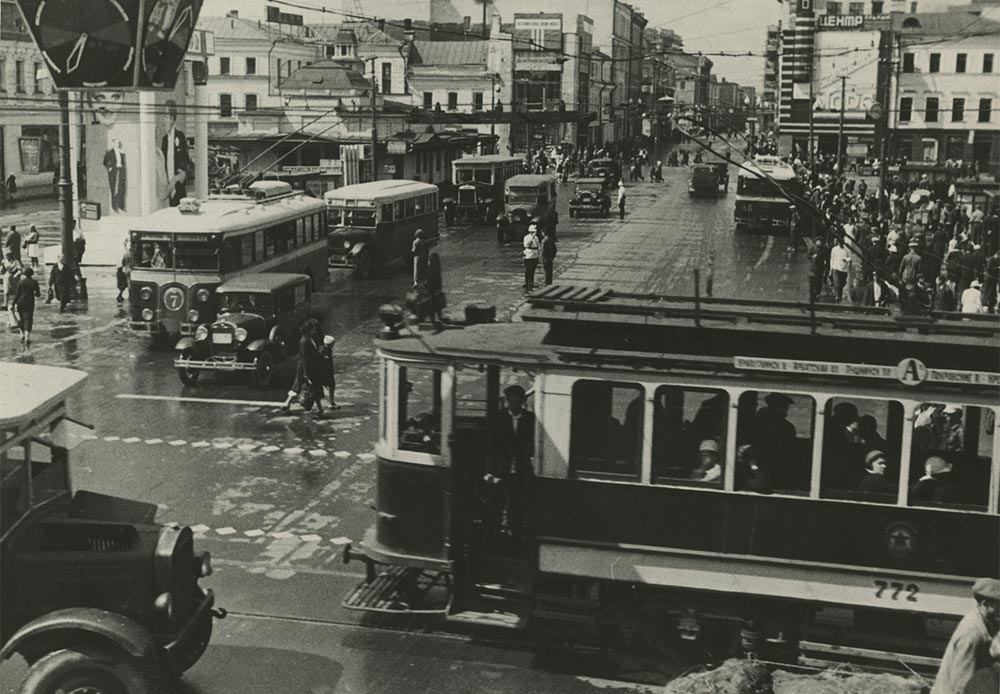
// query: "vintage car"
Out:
[97,596]
[707,179]
[591,197]
[257,326]
[605,168]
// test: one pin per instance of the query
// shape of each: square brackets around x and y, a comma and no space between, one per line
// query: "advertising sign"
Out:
[537,32]
[849,54]
[853,21]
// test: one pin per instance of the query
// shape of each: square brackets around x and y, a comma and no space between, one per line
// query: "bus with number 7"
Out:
[179,255]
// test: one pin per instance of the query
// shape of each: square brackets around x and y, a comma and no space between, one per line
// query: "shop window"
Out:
[987,62]
[452,101]
[775,431]
[689,435]
[606,430]
[428,100]
[929,148]
[951,455]
[861,447]
[419,413]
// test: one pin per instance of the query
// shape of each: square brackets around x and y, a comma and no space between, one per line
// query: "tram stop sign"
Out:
[112,44]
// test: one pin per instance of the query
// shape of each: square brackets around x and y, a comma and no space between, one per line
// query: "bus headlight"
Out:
[240,334]
[193,316]
[147,314]
[203,295]
[146,293]
[201,332]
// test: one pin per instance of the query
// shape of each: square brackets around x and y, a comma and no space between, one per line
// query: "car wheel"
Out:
[188,376]
[78,671]
[365,267]
[263,370]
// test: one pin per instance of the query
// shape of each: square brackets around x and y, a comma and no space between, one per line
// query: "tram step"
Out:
[814,652]
[401,590]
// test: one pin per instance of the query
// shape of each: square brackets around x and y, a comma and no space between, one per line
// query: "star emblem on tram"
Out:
[901,540]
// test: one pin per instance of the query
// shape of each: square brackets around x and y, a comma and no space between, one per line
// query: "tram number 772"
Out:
[891,590]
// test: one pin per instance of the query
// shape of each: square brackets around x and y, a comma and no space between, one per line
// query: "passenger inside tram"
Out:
[951,455]
[419,394]
[688,423]
[858,462]
[750,477]
[782,454]
[606,429]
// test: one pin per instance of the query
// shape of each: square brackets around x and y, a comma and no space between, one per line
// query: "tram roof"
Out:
[565,324]
[488,159]
[779,171]
[228,214]
[29,388]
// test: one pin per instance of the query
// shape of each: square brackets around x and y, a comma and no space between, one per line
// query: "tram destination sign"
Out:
[909,371]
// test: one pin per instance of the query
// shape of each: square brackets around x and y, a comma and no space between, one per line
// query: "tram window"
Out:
[301,233]
[951,455]
[606,430]
[387,212]
[861,447]
[158,255]
[335,216]
[398,211]
[689,435]
[409,205]
[420,205]
[778,427]
[419,410]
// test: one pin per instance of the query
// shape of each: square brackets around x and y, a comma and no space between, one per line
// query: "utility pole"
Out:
[886,64]
[812,155]
[840,133]
[374,127]
[65,183]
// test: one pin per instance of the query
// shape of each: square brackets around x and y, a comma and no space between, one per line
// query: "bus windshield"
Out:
[529,195]
[159,253]
[484,175]
[195,255]
[464,175]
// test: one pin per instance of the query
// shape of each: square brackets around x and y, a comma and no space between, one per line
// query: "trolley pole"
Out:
[840,132]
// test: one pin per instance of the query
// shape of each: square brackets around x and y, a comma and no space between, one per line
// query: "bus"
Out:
[758,204]
[705,476]
[479,183]
[179,255]
[373,223]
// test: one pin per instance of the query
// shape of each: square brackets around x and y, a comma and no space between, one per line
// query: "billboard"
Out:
[538,32]
[852,55]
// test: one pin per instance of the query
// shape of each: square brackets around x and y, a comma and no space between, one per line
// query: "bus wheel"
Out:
[365,265]
[78,671]
[263,370]
[188,376]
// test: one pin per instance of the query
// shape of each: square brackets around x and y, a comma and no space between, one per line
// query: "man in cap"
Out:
[774,438]
[514,441]
[874,481]
[709,462]
[969,647]
[911,266]
[937,485]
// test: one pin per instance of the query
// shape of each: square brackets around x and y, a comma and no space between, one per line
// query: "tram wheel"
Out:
[263,370]
[365,266]
[188,376]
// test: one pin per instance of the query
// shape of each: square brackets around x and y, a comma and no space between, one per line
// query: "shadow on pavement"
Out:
[252,670]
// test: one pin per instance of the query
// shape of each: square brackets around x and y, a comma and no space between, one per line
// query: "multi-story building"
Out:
[768,111]
[602,88]
[29,131]
[946,89]
[692,84]
[658,75]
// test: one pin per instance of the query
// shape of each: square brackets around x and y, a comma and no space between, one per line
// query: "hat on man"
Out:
[936,465]
[708,445]
[975,284]
[329,340]
[514,391]
[875,457]
[913,244]
[777,399]
[988,588]
[952,409]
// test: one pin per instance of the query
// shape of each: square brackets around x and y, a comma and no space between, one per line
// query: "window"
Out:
[37,77]
[250,102]
[386,83]
[477,101]
[419,413]
[833,8]
[251,66]
[908,62]
[950,456]
[877,6]
[428,100]
[935,65]
[278,70]
[957,110]
[606,430]
[452,101]
[387,212]
[409,207]
[929,147]
[3,76]
[931,109]
[19,76]
[225,105]
[774,437]
[985,110]
[960,61]
[689,435]
[224,68]
[856,9]
[987,62]
[905,109]
[913,8]
[862,441]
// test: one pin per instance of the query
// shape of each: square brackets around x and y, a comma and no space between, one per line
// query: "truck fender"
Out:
[357,248]
[65,628]
[258,346]
[184,343]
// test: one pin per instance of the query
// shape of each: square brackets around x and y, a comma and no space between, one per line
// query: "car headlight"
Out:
[164,604]
[147,314]
[347,244]
[203,295]
[146,293]
[201,332]
[240,334]
[193,316]
[204,568]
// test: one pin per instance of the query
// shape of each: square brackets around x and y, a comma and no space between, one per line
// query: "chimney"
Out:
[408,33]
[233,14]
[381,25]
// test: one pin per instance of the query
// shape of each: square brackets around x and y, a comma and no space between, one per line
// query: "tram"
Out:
[717,474]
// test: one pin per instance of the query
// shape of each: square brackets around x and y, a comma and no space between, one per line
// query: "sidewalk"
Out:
[105,237]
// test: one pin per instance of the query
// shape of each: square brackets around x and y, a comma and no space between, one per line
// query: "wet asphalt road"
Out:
[274,497]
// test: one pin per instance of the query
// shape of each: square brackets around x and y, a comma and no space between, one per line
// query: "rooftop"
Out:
[944,24]
[332,74]
[239,29]
[365,33]
[451,52]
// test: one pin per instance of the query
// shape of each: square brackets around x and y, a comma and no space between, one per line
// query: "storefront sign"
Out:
[853,21]
[90,210]
[332,167]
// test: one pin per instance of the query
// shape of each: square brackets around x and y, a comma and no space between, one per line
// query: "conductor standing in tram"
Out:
[515,447]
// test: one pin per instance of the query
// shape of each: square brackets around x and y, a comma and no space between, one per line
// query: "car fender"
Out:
[259,345]
[65,628]
[357,248]
[185,343]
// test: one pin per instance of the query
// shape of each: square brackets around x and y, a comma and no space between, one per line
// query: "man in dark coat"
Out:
[514,442]
[936,486]
[969,649]
[311,365]
[24,300]
[61,283]
[13,242]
